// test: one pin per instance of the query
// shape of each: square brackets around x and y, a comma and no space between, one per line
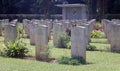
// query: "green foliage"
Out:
[69,45]
[45,53]
[115,7]
[102,35]
[63,41]
[20,31]
[16,49]
[112,16]
[97,60]
[20,28]
[98,24]
[96,34]
[91,47]
[71,61]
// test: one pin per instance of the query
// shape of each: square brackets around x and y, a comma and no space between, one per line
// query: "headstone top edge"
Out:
[81,27]
[71,5]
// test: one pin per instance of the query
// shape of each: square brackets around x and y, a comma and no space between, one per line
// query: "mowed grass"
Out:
[97,60]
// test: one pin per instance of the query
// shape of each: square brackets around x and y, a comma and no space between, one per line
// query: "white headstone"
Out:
[57,30]
[10,33]
[41,42]
[78,42]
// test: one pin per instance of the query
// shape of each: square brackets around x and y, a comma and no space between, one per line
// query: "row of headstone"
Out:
[80,35]
[57,26]
[63,26]
[39,32]
[112,31]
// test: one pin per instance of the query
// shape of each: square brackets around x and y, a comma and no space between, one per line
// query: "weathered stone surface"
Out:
[89,28]
[33,27]
[15,21]
[112,31]
[50,26]
[116,21]
[1,27]
[107,29]
[10,33]
[78,42]
[81,21]
[26,27]
[87,32]
[104,21]
[74,11]
[6,21]
[57,30]
[55,21]
[92,22]
[46,22]
[66,24]
[115,37]
[41,42]
[42,22]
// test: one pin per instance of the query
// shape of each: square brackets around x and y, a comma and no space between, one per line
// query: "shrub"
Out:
[16,49]
[20,28]
[90,47]
[1,52]
[96,34]
[71,61]
[63,41]
[69,45]
[68,32]
[20,31]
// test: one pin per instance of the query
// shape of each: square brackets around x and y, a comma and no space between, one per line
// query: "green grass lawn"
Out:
[98,60]
[99,40]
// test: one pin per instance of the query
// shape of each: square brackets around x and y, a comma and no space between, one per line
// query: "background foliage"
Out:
[43,6]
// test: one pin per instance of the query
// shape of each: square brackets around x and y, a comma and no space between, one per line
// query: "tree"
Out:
[115,7]
[44,6]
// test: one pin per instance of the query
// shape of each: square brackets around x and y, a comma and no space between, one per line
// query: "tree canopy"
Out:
[24,6]
[43,6]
